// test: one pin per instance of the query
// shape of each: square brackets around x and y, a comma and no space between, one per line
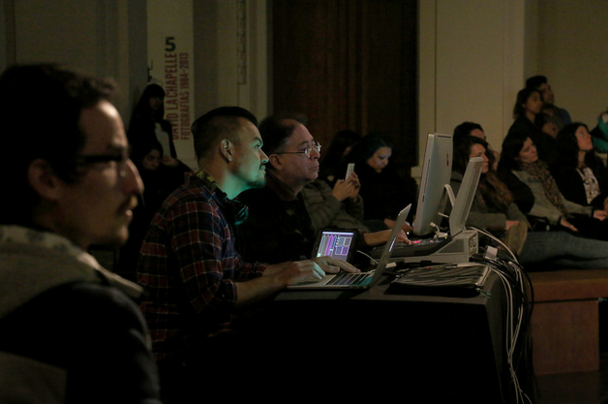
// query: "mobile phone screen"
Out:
[349,170]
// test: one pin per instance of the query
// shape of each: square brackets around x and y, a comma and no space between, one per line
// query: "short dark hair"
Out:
[464,129]
[275,131]
[219,123]
[522,97]
[40,109]
[536,81]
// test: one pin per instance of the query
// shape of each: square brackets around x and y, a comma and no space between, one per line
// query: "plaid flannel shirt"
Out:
[189,266]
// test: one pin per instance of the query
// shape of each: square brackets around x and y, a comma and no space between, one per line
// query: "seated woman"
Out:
[535,190]
[332,161]
[474,129]
[581,175]
[160,178]
[529,121]
[494,210]
[385,193]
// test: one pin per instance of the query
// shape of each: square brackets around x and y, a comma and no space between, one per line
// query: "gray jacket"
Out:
[481,217]
[44,282]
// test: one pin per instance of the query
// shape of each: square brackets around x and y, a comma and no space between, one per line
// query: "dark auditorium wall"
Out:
[348,65]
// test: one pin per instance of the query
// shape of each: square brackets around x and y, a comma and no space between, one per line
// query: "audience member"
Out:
[530,122]
[493,209]
[341,144]
[196,282]
[148,123]
[535,190]
[340,207]
[474,129]
[552,113]
[385,193]
[581,175]
[329,209]
[69,331]
[278,211]
[159,181]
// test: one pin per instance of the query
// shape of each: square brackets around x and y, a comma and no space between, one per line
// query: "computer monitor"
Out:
[436,172]
[463,201]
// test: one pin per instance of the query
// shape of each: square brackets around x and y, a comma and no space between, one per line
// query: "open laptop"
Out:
[355,280]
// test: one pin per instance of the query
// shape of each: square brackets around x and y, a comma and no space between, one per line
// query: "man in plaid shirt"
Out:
[190,267]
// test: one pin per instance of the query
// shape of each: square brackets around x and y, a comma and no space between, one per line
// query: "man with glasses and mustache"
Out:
[278,211]
[197,284]
[69,330]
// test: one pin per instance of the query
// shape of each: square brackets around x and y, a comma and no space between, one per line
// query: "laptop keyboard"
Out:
[347,278]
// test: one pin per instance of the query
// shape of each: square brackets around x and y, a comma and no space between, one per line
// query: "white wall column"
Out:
[471,65]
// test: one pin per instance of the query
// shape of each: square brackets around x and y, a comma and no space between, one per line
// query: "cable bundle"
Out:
[519,295]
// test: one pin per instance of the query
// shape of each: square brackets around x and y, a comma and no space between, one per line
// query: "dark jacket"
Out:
[276,230]
[67,333]
[571,184]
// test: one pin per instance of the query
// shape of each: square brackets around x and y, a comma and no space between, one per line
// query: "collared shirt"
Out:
[189,267]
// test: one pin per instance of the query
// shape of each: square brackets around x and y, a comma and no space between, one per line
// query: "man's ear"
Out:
[226,149]
[275,161]
[43,180]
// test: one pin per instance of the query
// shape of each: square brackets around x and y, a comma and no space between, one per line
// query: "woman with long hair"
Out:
[159,181]
[494,210]
[535,190]
[385,193]
[331,161]
[581,175]
[529,121]
[148,124]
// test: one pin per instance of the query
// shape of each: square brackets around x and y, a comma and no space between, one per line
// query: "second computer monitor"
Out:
[436,173]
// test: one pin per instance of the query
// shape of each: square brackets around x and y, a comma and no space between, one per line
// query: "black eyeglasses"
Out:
[120,160]
[307,152]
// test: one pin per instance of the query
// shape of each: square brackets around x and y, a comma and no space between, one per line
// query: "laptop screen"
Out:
[337,244]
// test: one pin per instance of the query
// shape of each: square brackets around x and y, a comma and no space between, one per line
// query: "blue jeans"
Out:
[564,250]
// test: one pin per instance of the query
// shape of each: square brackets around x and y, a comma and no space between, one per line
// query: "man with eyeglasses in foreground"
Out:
[197,285]
[69,330]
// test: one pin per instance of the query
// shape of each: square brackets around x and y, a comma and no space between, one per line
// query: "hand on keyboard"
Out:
[332,265]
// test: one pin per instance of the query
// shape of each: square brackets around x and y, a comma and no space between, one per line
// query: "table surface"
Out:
[381,292]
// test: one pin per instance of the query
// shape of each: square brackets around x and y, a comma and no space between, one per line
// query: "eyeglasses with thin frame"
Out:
[307,152]
[120,160]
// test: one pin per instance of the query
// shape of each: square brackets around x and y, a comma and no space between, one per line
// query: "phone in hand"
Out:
[349,170]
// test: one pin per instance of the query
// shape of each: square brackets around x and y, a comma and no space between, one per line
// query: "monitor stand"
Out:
[453,248]
[458,248]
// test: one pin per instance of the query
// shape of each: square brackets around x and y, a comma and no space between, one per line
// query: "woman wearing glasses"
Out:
[385,193]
